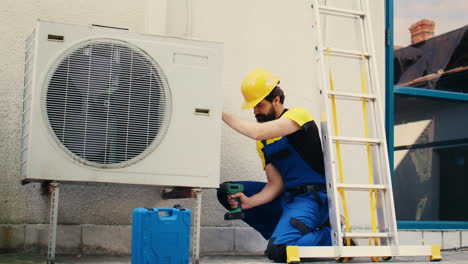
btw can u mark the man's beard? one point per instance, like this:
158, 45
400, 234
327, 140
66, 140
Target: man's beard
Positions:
270, 116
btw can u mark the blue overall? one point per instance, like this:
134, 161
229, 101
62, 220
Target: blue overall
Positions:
303, 207
289, 219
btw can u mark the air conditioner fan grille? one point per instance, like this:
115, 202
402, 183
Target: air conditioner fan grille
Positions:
107, 102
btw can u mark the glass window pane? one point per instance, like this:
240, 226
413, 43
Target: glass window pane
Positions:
431, 159
430, 45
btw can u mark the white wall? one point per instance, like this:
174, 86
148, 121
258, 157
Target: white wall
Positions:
276, 35
105, 204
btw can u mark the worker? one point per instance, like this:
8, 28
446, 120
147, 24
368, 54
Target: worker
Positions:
291, 208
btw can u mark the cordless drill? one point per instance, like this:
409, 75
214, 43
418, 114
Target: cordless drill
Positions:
231, 188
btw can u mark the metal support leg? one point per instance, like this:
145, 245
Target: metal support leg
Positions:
54, 198
196, 227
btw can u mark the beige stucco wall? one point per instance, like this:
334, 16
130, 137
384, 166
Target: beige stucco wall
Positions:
104, 204
275, 35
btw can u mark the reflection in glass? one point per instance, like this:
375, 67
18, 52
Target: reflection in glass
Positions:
431, 147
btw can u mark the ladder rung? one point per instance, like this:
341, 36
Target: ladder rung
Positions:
356, 140
366, 235
347, 53
340, 11
361, 187
352, 95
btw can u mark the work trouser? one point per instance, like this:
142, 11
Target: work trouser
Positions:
287, 221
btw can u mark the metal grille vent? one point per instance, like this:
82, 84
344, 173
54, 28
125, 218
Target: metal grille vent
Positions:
27, 90
107, 102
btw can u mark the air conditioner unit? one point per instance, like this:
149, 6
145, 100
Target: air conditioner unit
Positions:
115, 106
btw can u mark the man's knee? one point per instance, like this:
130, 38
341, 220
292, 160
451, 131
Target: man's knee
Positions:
276, 252
299, 225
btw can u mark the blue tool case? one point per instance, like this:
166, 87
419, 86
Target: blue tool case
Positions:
160, 235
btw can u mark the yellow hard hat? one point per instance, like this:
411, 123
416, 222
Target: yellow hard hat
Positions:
256, 86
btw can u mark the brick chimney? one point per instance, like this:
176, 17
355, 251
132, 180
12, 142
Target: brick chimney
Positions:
422, 30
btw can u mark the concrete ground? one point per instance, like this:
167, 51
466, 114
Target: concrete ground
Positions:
452, 257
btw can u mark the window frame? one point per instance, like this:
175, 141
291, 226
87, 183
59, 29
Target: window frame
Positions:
390, 91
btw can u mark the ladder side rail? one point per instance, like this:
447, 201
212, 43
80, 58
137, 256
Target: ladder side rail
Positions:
330, 169
383, 150
388, 196
332, 190
382, 221
378, 115
327, 134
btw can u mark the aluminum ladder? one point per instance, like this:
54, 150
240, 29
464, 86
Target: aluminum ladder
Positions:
357, 146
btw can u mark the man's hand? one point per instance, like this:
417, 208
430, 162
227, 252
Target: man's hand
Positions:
272, 189
245, 201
